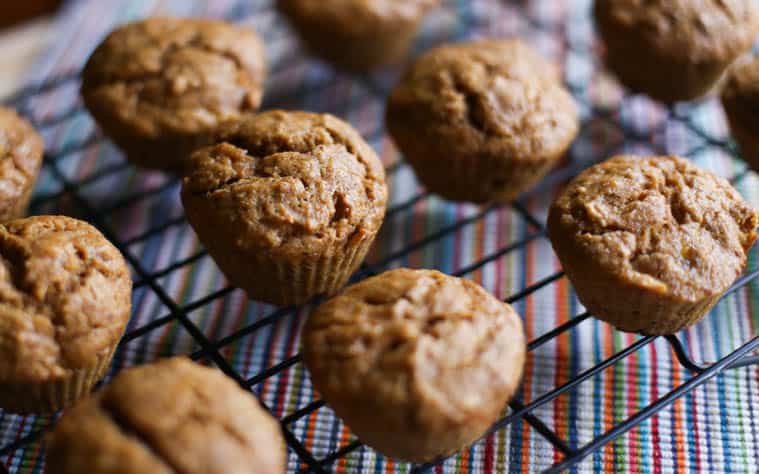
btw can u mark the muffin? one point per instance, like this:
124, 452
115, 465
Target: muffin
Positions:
357, 35
674, 50
167, 417
417, 363
287, 203
651, 243
740, 98
481, 121
21, 150
161, 87
65, 299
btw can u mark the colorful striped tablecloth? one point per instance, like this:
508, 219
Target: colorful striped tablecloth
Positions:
182, 303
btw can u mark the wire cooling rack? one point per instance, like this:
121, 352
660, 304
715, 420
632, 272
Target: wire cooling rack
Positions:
182, 304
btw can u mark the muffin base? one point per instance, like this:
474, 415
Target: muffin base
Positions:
480, 179
55, 395
284, 282
624, 304
357, 52
663, 79
748, 142
16, 208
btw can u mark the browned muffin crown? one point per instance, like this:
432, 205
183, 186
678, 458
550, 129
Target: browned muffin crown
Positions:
21, 150
481, 121
168, 417
283, 187
65, 296
740, 98
160, 87
357, 34
417, 363
674, 49
666, 237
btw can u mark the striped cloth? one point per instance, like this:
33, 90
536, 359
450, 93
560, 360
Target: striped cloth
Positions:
182, 303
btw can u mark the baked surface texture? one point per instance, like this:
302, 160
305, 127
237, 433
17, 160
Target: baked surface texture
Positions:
674, 50
21, 149
168, 417
288, 203
740, 99
651, 243
161, 87
417, 363
65, 299
358, 35
481, 121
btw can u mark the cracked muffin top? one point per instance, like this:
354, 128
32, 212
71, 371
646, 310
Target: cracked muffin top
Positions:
415, 351
659, 223
493, 96
21, 150
288, 180
174, 75
685, 30
168, 417
65, 297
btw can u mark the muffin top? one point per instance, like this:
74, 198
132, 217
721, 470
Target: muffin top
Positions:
65, 297
355, 14
498, 97
684, 30
175, 75
292, 181
741, 91
21, 150
416, 348
658, 222
167, 417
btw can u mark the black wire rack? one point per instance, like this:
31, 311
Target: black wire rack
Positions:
171, 320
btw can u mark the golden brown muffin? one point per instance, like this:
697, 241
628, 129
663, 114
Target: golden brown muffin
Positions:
740, 98
21, 150
287, 204
169, 417
651, 243
65, 299
481, 121
357, 35
674, 50
417, 363
160, 88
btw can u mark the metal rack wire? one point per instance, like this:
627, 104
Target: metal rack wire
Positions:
153, 287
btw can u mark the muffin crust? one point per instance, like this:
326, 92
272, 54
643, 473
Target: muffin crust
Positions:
481, 121
286, 188
65, 299
171, 416
651, 243
161, 87
21, 150
418, 364
740, 98
674, 50
357, 35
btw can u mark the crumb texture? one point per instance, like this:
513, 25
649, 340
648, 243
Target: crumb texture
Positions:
659, 223
485, 96
415, 357
289, 179
170, 417
65, 297
174, 75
